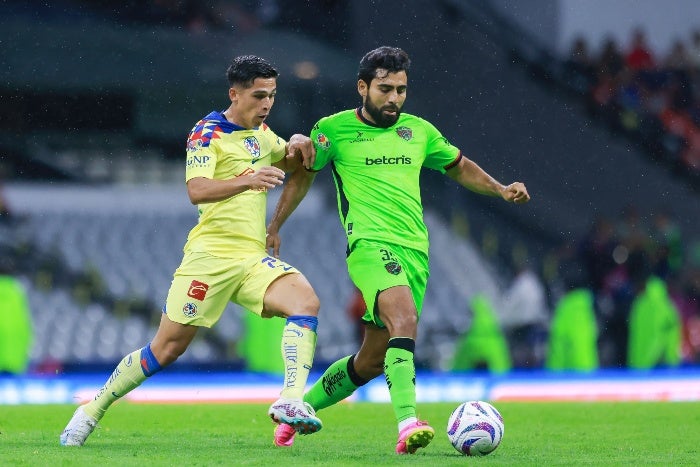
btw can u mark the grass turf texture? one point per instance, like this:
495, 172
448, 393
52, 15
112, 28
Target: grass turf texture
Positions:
354, 434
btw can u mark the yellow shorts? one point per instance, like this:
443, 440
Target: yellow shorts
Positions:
204, 284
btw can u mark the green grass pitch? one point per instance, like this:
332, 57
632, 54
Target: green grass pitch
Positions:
536, 434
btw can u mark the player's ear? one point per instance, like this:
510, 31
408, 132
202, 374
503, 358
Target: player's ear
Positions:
362, 88
232, 94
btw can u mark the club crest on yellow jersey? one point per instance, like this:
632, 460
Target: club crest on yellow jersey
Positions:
252, 145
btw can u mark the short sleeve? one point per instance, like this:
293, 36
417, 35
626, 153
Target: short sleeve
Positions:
323, 144
278, 146
201, 156
440, 154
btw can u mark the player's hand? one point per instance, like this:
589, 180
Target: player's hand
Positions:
265, 178
273, 242
516, 193
302, 147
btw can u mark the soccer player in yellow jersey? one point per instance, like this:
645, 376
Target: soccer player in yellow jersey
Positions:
233, 158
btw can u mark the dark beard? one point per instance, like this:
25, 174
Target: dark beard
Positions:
381, 120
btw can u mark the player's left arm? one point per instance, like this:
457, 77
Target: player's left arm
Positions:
299, 150
296, 185
295, 189
468, 174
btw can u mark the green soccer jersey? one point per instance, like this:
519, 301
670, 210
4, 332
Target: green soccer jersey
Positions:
376, 173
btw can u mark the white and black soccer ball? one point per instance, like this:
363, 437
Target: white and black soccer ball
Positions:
475, 428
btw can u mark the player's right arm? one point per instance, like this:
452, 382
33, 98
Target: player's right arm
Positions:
294, 191
210, 190
297, 186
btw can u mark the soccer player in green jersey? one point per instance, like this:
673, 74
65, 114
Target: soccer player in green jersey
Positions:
233, 158
376, 153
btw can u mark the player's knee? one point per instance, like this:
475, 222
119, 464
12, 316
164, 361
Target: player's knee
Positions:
308, 303
404, 325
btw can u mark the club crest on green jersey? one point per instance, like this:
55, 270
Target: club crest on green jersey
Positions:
393, 268
404, 132
323, 141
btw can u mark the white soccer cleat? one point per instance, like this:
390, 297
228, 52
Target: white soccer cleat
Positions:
297, 413
78, 429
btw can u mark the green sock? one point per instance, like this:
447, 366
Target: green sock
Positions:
298, 346
400, 374
125, 377
331, 388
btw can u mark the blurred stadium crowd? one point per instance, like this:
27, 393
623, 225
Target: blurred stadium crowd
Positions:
653, 101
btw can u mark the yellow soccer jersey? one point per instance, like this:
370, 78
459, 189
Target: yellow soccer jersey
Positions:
219, 149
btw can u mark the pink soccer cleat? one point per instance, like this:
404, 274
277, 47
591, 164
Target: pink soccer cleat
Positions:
284, 435
414, 436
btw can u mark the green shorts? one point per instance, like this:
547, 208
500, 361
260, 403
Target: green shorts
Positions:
204, 284
376, 266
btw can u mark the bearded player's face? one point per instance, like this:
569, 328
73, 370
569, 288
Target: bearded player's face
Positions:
384, 97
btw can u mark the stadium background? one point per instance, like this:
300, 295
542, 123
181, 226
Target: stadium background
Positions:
99, 96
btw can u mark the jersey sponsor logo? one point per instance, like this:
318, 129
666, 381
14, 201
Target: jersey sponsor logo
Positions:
198, 290
197, 161
189, 310
323, 141
246, 172
393, 268
253, 146
404, 132
329, 382
361, 139
384, 160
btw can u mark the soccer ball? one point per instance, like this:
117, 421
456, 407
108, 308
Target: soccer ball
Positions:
475, 428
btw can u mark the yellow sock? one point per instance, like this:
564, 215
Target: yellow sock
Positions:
298, 347
125, 377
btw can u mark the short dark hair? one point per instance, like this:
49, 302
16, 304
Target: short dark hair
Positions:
245, 68
392, 59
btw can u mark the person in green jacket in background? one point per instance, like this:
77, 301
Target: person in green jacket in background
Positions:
655, 328
573, 334
16, 332
262, 338
483, 345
